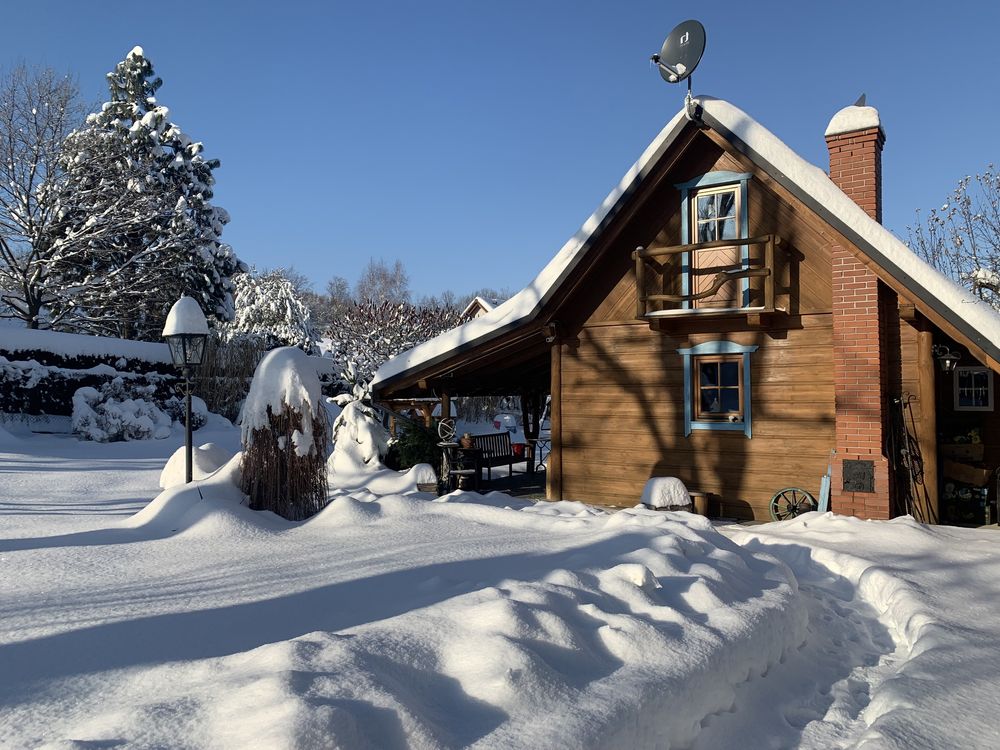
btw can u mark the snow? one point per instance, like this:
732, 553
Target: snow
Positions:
780, 161
392, 620
665, 492
853, 118
185, 316
205, 461
284, 376
75, 345
104, 418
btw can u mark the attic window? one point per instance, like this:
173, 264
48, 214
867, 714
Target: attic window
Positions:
714, 208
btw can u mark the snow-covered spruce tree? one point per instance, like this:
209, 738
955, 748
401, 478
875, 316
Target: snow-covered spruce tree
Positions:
269, 309
137, 228
962, 238
283, 468
38, 109
369, 333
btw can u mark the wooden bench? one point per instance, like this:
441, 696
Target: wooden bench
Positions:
496, 451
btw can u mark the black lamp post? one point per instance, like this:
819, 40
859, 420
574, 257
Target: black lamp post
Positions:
185, 331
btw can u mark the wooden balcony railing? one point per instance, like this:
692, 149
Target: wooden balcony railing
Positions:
762, 267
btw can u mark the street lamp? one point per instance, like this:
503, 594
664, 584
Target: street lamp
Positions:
185, 331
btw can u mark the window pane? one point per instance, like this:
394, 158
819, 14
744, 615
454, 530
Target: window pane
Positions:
728, 229
730, 399
730, 373
706, 231
710, 400
709, 373
707, 207
727, 204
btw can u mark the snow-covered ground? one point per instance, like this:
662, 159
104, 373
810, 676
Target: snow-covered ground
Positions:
408, 621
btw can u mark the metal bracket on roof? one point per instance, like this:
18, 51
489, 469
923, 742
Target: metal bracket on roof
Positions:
692, 109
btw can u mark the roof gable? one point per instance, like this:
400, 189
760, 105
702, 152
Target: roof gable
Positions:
971, 317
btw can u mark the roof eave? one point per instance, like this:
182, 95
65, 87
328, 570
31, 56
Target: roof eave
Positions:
642, 169
973, 335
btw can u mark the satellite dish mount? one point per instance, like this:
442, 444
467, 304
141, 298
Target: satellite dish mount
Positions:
680, 55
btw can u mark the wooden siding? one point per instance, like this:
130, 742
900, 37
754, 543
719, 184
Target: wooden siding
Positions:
621, 383
803, 279
623, 417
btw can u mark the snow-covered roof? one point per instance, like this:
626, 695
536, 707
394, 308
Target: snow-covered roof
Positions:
808, 182
525, 305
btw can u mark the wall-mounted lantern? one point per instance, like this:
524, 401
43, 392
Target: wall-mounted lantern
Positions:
947, 359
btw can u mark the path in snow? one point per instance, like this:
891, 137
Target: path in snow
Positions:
816, 697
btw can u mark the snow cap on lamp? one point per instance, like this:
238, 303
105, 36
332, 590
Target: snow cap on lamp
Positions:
185, 317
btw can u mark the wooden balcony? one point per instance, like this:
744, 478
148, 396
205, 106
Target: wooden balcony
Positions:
663, 266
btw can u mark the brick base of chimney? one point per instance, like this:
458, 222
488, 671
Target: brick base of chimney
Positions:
873, 505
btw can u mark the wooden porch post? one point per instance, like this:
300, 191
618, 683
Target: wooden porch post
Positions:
926, 427
445, 406
553, 467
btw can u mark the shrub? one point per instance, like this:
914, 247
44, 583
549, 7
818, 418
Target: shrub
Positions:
118, 412
417, 446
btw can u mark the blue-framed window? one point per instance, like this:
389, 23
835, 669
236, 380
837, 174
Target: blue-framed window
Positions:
717, 394
710, 211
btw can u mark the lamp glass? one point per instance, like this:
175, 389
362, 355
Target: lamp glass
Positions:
186, 348
948, 362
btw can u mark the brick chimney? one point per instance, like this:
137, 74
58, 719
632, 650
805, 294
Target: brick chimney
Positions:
861, 322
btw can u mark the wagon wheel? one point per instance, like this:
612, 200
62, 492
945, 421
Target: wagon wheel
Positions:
446, 430
790, 502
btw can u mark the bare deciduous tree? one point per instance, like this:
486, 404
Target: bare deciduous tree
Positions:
381, 283
962, 238
38, 109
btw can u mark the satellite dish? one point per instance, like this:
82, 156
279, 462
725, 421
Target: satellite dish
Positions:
681, 52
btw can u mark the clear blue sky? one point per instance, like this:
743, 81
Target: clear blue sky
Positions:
469, 140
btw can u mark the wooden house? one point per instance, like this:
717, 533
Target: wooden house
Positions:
476, 308
738, 318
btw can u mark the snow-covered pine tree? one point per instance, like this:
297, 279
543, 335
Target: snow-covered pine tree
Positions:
269, 309
138, 228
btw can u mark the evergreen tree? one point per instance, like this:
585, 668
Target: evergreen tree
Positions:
269, 308
137, 227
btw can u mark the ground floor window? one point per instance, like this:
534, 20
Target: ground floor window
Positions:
973, 389
717, 387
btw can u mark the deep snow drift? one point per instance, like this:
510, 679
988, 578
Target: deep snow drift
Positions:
405, 620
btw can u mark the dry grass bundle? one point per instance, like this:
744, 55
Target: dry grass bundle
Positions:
276, 476
225, 374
